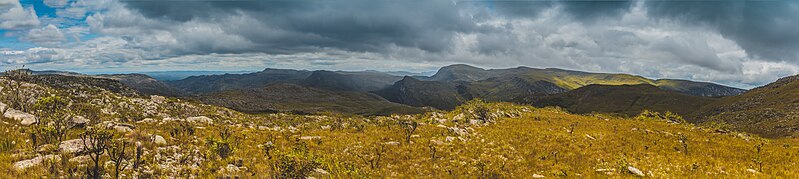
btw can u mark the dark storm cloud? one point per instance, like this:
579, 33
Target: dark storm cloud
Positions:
590, 10
768, 29
307, 25
585, 11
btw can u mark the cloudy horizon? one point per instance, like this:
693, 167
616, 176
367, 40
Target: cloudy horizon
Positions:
737, 43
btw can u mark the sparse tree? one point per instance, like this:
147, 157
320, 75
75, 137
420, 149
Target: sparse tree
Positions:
684, 142
759, 158
116, 153
139, 153
17, 98
373, 160
54, 118
571, 127
95, 143
409, 127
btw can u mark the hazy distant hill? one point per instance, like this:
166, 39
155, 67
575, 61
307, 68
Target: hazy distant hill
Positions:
179, 75
350, 81
145, 84
217, 83
770, 110
284, 97
627, 100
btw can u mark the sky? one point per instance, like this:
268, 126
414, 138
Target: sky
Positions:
737, 43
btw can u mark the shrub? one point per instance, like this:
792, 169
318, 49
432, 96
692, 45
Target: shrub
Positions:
17, 98
95, 143
668, 116
224, 145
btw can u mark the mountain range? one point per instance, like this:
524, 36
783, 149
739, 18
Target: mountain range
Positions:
369, 92
768, 110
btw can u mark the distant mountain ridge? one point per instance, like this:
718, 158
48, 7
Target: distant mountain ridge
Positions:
512, 84
569, 79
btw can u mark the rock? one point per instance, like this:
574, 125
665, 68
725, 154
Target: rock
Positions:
635, 171
200, 119
80, 121
537, 176
752, 170
71, 146
46, 148
25, 118
157, 99
3, 107
590, 137
22, 165
158, 140
310, 137
122, 129
232, 168
321, 171
392, 143
80, 159
146, 120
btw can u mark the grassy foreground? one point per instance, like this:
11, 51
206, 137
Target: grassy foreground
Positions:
475, 140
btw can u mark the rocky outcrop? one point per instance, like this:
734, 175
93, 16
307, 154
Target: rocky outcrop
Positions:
24, 118
71, 146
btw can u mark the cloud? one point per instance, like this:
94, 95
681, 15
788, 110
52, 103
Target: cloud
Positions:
763, 28
737, 43
301, 26
56, 3
13, 16
49, 35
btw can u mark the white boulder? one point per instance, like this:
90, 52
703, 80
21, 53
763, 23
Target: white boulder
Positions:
3, 107
159, 140
22, 165
200, 119
71, 146
24, 118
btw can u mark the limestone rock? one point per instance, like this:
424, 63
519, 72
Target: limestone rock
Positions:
71, 146
159, 140
22, 165
3, 107
200, 119
24, 118
80, 121
635, 171
157, 99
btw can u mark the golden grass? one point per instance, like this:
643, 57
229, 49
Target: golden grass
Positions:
518, 143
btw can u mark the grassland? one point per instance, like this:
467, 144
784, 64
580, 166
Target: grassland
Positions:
475, 140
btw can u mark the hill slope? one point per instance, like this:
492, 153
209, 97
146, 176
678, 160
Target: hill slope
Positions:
628, 100
770, 110
145, 84
284, 97
350, 81
414, 92
216, 83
